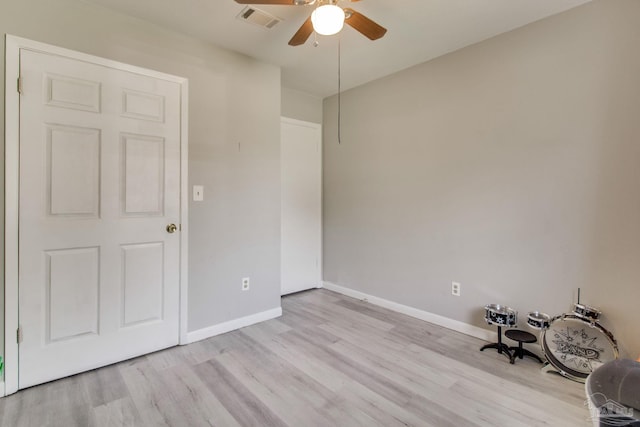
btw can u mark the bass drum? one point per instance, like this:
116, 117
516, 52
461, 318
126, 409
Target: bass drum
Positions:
575, 346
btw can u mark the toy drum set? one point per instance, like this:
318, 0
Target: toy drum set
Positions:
501, 316
574, 344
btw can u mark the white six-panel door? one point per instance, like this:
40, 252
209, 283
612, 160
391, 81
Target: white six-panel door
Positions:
99, 184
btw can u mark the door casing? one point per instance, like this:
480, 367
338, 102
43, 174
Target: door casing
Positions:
12, 189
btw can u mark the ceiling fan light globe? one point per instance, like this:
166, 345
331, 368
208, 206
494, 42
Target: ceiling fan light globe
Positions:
328, 19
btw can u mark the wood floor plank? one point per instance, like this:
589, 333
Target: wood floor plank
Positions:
308, 363
61, 403
393, 392
353, 403
152, 395
275, 393
394, 352
117, 413
195, 398
497, 400
241, 403
474, 411
337, 313
104, 385
330, 360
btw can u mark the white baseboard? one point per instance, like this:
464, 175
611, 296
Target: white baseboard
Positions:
232, 325
436, 319
2, 390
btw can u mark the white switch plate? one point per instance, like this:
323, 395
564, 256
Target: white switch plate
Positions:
198, 193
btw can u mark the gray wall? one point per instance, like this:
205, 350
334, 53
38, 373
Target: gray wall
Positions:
301, 106
511, 166
234, 101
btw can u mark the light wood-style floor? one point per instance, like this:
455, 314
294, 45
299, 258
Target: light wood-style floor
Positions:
328, 361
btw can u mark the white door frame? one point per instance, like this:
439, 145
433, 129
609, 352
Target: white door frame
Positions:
12, 189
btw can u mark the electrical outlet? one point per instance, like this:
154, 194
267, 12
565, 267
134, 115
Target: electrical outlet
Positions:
245, 284
455, 288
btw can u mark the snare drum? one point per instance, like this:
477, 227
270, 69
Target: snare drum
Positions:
500, 315
538, 320
575, 346
586, 311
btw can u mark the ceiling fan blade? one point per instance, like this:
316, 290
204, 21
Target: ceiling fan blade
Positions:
302, 34
282, 2
364, 25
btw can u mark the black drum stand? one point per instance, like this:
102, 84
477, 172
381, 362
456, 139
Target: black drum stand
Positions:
500, 346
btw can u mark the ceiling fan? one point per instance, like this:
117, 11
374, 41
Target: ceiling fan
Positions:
328, 13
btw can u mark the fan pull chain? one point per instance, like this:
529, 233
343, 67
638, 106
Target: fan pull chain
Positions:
339, 96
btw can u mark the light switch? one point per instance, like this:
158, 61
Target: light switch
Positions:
198, 193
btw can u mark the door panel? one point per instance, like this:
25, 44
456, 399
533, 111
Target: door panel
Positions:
142, 282
72, 92
99, 182
73, 292
73, 170
142, 106
143, 174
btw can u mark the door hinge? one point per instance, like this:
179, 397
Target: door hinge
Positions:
20, 85
19, 334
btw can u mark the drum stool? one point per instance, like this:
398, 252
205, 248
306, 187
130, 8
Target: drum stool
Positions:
521, 337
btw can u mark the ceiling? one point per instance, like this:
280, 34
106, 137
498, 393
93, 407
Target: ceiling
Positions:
418, 30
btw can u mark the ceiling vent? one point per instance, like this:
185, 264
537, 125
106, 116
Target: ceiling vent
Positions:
258, 17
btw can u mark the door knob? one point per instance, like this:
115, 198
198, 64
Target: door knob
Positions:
171, 228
